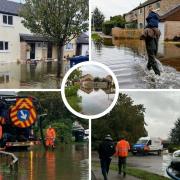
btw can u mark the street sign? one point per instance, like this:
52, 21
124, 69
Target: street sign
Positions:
23, 113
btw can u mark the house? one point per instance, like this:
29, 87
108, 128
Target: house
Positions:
87, 78
136, 18
82, 45
18, 43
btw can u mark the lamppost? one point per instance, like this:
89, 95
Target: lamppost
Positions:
93, 28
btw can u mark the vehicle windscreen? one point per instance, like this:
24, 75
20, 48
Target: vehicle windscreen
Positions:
142, 142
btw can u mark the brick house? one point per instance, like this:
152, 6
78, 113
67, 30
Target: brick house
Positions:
169, 14
18, 43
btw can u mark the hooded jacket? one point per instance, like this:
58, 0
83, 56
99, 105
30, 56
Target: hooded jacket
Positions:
106, 149
152, 20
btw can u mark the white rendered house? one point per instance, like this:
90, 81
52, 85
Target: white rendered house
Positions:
17, 43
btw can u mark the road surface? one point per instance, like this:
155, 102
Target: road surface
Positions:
151, 163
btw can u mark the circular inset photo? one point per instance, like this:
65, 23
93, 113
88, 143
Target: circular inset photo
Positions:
90, 90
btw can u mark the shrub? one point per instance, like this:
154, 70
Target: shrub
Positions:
107, 27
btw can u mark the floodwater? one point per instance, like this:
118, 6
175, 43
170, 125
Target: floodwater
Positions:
29, 76
68, 161
95, 101
127, 59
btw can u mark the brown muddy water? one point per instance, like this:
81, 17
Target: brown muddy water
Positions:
29, 76
127, 59
67, 161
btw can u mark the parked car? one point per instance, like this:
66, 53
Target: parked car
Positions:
147, 144
175, 163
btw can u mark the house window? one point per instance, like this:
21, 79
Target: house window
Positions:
8, 19
140, 25
4, 46
158, 5
140, 11
69, 46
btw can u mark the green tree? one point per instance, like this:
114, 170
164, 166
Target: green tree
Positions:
125, 119
75, 75
175, 133
97, 19
58, 20
118, 21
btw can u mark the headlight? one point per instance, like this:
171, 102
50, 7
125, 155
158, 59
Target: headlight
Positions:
176, 154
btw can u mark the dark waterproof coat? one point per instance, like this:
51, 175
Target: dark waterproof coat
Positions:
106, 149
152, 20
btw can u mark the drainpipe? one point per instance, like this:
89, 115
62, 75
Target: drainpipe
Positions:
144, 17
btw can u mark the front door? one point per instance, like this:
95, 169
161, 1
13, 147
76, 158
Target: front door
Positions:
49, 52
32, 52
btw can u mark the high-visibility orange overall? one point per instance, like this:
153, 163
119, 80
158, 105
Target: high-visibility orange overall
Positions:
122, 149
50, 136
1, 132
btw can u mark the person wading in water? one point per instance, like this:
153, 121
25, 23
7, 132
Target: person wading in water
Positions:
151, 36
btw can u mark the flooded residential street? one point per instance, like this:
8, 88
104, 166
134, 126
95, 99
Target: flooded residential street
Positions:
127, 59
29, 76
95, 101
65, 162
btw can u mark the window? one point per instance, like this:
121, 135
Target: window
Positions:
140, 11
140, 25
158, 5
8, 19
4, 46
69, 46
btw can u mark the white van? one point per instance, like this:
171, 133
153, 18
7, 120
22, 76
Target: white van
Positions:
147, 144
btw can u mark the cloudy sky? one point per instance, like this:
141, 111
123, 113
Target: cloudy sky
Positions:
115, 7
18, 1
94, 70
162, 110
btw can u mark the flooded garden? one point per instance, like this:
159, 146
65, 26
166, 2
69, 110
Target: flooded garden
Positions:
94, 101
127, 59
65, 162
40, 75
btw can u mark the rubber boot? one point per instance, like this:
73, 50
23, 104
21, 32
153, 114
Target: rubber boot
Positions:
156, 68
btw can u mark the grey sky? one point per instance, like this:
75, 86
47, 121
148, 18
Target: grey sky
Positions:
162, 110
115, 7
17, 1
94, 70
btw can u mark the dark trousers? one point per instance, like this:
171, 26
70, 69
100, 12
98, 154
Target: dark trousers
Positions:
122, 164
152, 50
105, 163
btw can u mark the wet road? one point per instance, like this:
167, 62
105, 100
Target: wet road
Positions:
65, 162
151, 163
127, 59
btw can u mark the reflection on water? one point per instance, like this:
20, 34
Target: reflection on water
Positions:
65, 162
127, 59
95, 101
38, 75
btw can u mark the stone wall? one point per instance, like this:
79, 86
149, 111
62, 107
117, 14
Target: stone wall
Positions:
23, 49
91, 84
172, 29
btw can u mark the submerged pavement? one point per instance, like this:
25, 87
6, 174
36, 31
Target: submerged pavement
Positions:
113, 175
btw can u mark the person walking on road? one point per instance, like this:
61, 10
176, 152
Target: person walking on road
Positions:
106, 150
50, 137
122, 149
151, 36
